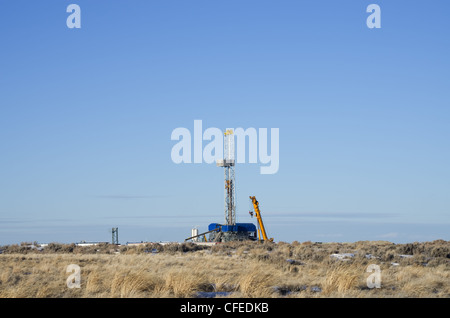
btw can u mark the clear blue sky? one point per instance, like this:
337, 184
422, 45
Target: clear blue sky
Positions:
86, 117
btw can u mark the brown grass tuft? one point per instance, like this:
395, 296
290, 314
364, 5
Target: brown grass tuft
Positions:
342, 278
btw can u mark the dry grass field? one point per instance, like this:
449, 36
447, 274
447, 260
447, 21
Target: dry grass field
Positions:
236, 269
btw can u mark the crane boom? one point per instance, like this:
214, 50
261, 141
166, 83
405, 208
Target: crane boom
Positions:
259, 218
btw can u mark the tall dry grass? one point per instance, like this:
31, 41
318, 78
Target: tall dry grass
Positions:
244, 269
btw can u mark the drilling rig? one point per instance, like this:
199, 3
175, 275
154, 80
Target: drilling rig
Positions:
230, 230
228, 163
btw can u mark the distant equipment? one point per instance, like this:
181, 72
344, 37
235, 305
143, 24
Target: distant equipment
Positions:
202, 236
194, 234
115, 235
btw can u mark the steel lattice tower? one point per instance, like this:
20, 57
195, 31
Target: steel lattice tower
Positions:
115, 235
228, 163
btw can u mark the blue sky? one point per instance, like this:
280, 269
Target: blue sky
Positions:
86, 117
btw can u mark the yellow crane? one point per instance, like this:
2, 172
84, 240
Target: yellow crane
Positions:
261, 228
